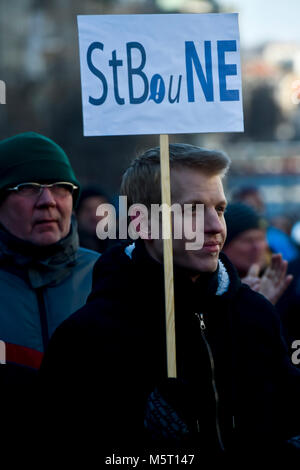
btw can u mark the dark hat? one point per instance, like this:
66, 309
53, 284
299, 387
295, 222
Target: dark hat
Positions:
32, 157
239, 218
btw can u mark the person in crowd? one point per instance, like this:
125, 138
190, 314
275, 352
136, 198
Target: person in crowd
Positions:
44, 275
251, 196
247, 248
284, 222
236, 392
278, 240
90, 199
246, 242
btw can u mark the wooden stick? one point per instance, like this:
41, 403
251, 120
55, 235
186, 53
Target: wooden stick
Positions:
168, 255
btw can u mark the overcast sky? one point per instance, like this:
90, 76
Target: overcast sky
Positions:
265, 20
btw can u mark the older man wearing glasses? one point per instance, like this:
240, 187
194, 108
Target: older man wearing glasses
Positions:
44, 275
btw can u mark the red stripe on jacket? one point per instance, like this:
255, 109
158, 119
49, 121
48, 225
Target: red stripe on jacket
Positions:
23, 355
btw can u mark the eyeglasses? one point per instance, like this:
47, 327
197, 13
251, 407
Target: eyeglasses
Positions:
60, 189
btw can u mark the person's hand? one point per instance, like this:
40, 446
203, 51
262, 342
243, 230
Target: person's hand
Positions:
252, 279
275, 280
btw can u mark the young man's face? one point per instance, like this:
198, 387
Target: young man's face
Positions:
191, 186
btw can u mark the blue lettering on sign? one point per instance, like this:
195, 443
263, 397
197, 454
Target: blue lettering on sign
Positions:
136, 71
157, 88
196, 72
95, 71
114, 63
226, 69
191, 57
176, 99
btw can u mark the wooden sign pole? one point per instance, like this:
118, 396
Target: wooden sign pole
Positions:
168, 255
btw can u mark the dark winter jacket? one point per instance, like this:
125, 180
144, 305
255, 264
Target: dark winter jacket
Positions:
105, 360
288, 307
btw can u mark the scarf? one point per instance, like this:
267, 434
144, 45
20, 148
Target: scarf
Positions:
41, 266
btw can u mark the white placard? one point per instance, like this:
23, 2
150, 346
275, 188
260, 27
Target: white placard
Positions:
160, 74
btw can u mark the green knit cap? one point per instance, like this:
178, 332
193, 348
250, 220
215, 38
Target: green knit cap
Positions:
32, 157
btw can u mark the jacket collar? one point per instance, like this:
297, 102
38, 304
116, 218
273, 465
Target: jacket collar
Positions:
216, 283
41, 266
127, 267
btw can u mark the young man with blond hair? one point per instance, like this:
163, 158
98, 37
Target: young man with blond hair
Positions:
236, 387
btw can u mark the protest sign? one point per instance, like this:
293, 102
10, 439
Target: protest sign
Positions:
160, 74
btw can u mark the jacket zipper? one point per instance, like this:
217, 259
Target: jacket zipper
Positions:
213, 380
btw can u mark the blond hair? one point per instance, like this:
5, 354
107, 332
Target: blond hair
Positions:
141, 180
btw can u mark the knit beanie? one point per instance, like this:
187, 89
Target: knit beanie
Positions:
239, 217
32, 157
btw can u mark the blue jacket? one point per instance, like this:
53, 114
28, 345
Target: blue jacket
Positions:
39, 288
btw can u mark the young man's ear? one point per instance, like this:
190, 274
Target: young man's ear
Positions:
139, 226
